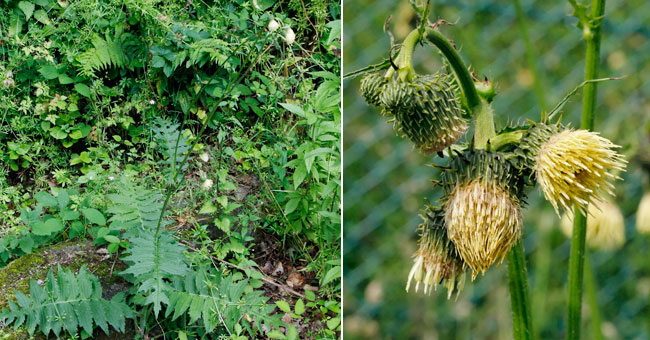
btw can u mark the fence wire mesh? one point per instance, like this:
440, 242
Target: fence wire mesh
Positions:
386, 181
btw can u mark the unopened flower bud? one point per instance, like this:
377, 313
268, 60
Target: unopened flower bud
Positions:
207, 184
426, 109
290, 36
605, 226
273, 25
643, 215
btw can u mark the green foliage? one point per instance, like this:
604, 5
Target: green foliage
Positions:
218, 299
133, 207
67, 303
174, 145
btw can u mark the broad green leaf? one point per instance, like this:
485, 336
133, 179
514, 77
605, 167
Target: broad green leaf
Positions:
69, 214
299, 175
112, 239
275, 334
223, 224
41, 16
291, 205
292, 333
48, 72
63, 198
331, 275
26, 244
297, 110
208, 208
64, 79
53, 225
27, 8
333, 323
299, 308
94, 216
310, 295
83, 89
283, 305
58, 133
45, 199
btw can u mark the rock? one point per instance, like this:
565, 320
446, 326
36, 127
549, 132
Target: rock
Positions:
72, 254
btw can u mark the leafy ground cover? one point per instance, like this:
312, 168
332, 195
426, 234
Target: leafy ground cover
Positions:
193, 147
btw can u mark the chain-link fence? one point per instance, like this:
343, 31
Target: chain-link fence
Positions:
386, 181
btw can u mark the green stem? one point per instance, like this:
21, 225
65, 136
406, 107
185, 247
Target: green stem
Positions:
592, 297
531, 56
456, 62
592, 34
519, 297
404, 60
483, 125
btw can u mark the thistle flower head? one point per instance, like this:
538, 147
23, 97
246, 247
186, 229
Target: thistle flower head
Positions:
290, 36
643, 215
573, 167
605, 226
372, 85
427, 110
273, 25
483, 208
436, 260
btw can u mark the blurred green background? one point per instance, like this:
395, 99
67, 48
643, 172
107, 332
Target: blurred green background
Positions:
386, 181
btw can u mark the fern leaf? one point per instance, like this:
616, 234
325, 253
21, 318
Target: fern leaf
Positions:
134, 207
216, 301
152, 261
174, 145
67, 302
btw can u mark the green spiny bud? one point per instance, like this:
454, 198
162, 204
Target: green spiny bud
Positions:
372, 85
427, 111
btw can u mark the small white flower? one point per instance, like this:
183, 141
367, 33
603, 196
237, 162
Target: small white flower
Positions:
207, 184
9, 83
10, 73
290, 36
273, 25
152, 102
111, 178
204, 157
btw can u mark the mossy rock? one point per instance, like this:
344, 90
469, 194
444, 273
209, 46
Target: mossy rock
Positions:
72, 255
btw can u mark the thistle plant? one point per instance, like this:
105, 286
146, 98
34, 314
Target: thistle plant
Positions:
478, 221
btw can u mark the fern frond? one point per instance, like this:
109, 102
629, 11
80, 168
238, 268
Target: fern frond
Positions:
106, 53
154, 259
173, 148
134, 207
217, 300
67, 302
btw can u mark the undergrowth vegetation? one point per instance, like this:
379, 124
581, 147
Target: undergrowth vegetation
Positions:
197, 145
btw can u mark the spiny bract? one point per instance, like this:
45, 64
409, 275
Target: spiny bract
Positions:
426, 109
436, 260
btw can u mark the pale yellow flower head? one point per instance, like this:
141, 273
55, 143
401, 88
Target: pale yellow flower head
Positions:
574, 167
483, 221
436, 260
643, 215
605, 226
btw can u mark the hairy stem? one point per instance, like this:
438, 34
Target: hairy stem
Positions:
592, 298
592, 34
519, 297
456, 62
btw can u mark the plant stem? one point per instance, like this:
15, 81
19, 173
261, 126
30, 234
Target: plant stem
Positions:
519, 297
456, 62
591, 32
531, 56
592, 297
